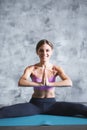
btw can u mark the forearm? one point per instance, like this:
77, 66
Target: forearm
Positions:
26, 83
65, 83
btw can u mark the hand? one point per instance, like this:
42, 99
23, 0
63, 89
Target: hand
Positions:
43, 77
46, 78
45, 81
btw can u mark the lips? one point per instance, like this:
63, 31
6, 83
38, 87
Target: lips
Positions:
44, 57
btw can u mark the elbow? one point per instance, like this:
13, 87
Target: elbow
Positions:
70, 83
22, 82
19, 83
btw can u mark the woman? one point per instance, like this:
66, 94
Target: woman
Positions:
43, 75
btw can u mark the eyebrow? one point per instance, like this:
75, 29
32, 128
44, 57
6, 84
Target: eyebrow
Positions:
43, 49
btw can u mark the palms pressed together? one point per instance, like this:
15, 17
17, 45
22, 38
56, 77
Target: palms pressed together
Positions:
45, 81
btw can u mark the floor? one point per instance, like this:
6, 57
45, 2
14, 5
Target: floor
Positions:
71, 127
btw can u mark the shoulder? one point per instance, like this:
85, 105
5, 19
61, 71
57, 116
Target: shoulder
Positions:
29, 68
59, 69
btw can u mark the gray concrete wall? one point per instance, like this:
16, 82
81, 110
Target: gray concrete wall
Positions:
22, 24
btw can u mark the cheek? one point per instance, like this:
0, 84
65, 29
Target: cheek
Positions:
39, 54
51, 53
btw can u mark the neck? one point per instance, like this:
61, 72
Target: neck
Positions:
42, 64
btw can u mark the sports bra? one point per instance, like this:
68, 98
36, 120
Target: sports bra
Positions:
35, 79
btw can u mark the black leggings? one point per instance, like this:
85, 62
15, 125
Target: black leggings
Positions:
44, 106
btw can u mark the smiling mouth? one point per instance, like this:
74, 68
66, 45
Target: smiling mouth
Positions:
44, 57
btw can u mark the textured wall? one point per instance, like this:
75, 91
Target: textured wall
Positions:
22, 24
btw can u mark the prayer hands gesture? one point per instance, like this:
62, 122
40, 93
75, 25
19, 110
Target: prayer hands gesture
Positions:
45, 80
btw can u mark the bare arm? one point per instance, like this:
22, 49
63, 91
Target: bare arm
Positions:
65, 80
23, 81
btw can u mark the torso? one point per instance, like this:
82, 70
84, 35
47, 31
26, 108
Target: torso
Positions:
43, 92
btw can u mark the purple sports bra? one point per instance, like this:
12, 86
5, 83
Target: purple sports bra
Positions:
35, 79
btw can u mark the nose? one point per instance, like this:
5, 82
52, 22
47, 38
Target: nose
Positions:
44, 52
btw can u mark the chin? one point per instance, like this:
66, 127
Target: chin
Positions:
44, 60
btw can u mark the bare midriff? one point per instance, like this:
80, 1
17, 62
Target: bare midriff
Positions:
44, 93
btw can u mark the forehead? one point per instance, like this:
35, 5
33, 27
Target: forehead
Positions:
45, 46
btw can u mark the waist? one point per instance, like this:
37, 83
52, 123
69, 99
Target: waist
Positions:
42, 99
43, 88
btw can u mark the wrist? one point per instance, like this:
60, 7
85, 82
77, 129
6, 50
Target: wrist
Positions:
41, 84
50, 84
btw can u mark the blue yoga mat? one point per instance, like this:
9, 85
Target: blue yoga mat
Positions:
38, 120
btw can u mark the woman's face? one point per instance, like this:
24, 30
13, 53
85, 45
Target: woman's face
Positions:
44, 52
